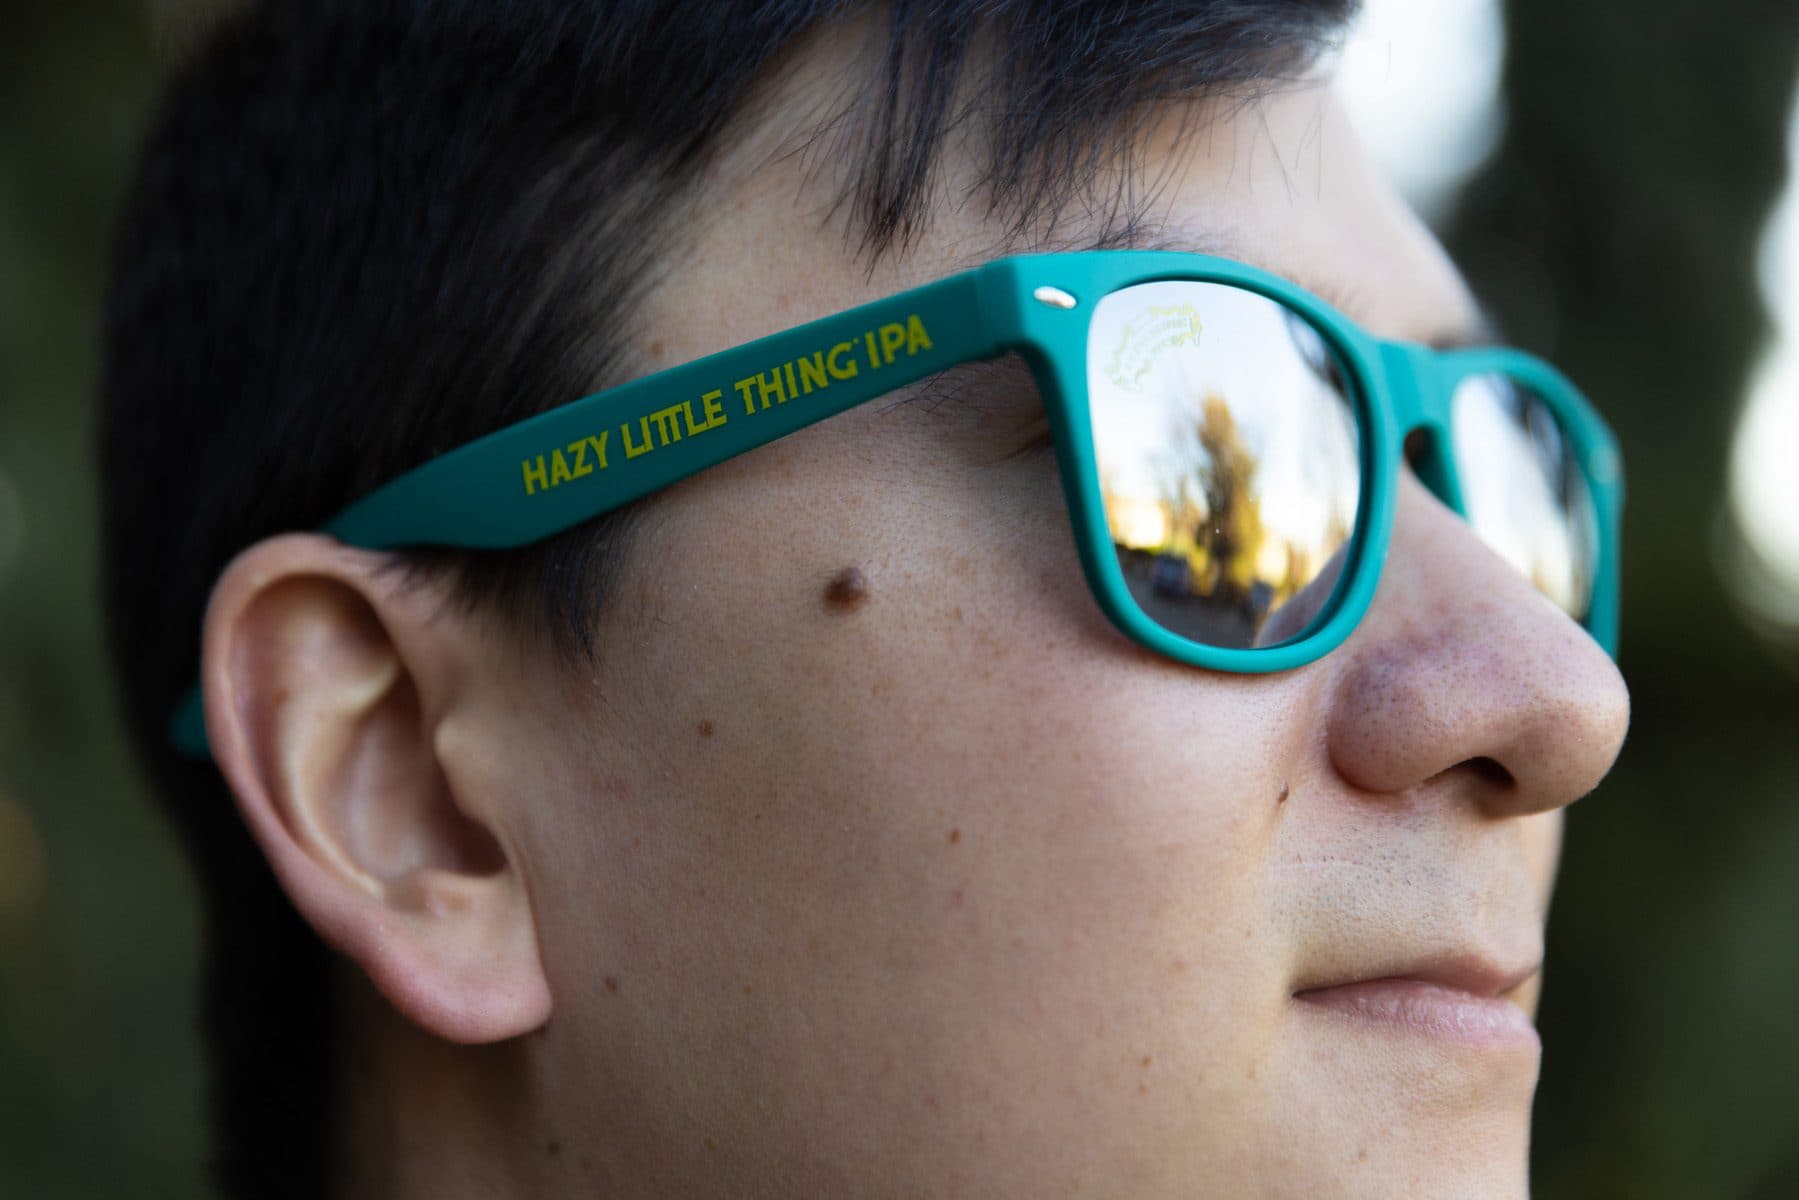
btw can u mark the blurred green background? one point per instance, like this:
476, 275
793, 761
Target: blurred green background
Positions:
1614, 226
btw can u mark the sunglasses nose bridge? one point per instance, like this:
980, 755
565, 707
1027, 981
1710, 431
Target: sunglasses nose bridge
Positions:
1417, 388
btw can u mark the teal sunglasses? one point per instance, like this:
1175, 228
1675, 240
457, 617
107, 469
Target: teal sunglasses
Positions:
1230, 446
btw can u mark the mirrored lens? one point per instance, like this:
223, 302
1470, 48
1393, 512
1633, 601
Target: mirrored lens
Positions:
1228, 457
1523, 489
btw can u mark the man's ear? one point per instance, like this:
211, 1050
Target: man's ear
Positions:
333, 689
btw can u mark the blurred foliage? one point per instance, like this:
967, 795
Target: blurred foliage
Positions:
100, 1083
1615, 229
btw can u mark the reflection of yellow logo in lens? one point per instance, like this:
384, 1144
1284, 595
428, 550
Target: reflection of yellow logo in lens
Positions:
1163, 327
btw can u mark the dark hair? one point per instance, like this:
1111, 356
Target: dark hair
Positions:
365, 231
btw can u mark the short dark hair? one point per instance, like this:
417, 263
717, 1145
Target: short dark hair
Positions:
364, 231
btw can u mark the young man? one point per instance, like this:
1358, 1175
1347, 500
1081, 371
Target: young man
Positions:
1090, 762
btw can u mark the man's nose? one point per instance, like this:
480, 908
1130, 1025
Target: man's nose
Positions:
1462, 665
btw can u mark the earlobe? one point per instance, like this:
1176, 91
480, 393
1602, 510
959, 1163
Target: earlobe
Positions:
327, 682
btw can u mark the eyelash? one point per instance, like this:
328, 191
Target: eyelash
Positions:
984, 389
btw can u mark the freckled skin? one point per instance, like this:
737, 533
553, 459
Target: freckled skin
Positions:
1085, 984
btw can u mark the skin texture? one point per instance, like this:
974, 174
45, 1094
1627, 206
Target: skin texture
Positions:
870, 859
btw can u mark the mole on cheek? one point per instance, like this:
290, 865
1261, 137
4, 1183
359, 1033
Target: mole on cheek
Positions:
848, 590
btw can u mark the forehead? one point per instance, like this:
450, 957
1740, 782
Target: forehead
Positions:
1278, 179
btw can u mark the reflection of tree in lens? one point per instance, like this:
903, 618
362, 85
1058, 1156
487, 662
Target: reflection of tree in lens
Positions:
1185, 454
1207, 518
1210, 512
1231, 535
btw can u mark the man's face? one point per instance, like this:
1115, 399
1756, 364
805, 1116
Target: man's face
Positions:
873, 860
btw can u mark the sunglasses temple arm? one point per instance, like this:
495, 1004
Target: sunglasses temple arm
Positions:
572, 463
555, 470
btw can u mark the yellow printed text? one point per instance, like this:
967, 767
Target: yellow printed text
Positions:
818, 370
669, 425
566, 463
875, 350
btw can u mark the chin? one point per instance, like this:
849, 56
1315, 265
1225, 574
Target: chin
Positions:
1382, 1116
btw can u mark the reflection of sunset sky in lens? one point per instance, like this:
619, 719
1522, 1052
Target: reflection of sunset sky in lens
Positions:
1150, 374
1511, 487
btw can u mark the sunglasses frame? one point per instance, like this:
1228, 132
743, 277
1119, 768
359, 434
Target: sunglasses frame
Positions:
552, 471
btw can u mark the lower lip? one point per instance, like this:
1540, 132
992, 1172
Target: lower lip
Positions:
1430, 1009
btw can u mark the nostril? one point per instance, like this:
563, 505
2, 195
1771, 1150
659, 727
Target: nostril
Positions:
1491, 770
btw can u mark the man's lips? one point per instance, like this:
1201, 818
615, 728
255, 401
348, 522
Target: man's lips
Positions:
1463, 998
